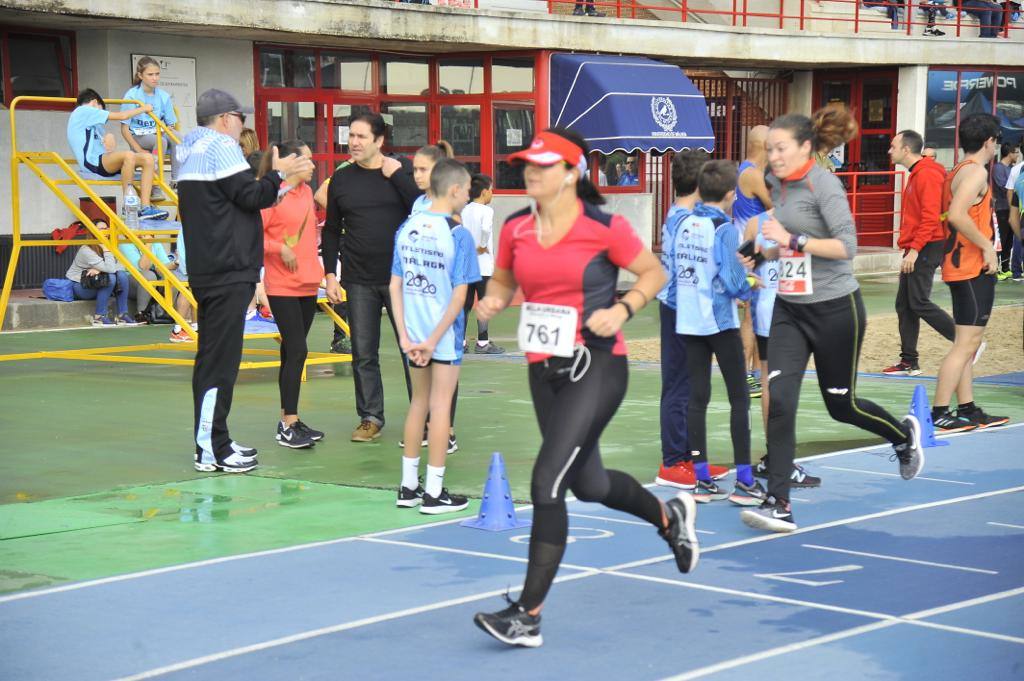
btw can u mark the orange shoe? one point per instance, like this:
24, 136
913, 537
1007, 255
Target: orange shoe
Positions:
679, 476
180, 336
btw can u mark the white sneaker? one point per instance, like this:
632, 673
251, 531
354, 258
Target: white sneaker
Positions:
233, 463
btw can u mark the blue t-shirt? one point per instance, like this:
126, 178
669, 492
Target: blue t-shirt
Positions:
709, 278
433, 254
85, 134
628, 180
163, 108
676, 214
763, 302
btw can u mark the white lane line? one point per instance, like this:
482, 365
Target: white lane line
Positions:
894, 475
912, 618
881, 446
464, 552
898, 559
821, 526
1011, 526
324, 631
623, 521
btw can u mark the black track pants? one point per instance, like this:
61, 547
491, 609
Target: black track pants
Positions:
294, 316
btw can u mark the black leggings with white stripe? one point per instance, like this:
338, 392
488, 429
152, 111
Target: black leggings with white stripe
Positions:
572, 416
294, 316
832, 331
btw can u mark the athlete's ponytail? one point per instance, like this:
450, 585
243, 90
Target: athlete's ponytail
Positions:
586, 190
834, 126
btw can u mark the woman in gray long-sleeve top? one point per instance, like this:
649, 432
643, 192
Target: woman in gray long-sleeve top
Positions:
93, 260
819, 309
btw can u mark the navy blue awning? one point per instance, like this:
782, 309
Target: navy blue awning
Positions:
628, 103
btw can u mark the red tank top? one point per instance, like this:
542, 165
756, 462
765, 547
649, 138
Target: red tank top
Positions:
963, 259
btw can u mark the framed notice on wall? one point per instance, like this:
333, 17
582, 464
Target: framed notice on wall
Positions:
178, 78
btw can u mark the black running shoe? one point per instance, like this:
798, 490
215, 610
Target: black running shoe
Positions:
772, 515
292, 437
980, 419
797, 478
443, 503
409, 498
312, 433
513, 625
911, 453
681, 533
453, 444
707, 491
953, 423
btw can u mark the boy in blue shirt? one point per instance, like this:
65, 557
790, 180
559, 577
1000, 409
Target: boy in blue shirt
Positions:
709, 280
94, 149
434, 262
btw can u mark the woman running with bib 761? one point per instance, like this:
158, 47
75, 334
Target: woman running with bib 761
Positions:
566, 254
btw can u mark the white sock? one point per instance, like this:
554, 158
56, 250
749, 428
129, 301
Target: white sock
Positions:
176, 328
410, 472
435, 480
482, 344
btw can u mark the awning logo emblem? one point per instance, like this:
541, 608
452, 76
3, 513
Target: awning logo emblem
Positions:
664, 112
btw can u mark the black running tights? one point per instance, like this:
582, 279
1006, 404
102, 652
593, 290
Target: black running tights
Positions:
833, 331
572, 416
728, 348
294, 316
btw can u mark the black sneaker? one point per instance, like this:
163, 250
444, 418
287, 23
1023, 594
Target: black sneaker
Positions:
953, 423
748, 495
513, 625
772, 515
911, 453
753, 386
681, 533
443, 503
292, 437
932, 31
797, 478
707, 491
453, 444
409, 498
980, 419
342, 346
312, 433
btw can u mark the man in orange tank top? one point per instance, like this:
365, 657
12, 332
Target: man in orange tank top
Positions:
969, 269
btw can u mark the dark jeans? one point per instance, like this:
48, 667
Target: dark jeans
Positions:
989, 16
118, 283
913, 302
833, 331
364, 304
341, 309
1005, 238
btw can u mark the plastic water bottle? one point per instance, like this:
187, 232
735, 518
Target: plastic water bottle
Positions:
131, 208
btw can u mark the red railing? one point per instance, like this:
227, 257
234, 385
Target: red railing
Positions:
873, 202
803, 14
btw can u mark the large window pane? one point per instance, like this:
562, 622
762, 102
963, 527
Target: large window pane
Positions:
512, 74
346, 72
295, 120
1010, 105
404, 76
460, 125
39, 65
940, 114
513, 130
461, 76
407, 127
287, 68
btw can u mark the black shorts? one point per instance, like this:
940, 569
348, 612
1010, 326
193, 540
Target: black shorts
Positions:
762, 347
972, 299
98, 169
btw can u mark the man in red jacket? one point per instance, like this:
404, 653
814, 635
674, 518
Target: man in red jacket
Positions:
922, 240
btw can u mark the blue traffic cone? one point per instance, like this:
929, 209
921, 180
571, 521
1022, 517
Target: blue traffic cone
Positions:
496, 510
920, 408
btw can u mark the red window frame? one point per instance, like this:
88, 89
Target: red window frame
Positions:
434, 100
69, 76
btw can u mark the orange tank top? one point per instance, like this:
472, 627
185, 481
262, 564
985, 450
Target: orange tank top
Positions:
963, 260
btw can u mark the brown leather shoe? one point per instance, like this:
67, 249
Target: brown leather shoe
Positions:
368, 431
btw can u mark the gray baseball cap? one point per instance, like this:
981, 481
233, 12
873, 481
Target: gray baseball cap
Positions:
214, 102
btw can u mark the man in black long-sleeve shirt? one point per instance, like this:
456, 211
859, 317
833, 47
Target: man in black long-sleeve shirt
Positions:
367, 202
219, 203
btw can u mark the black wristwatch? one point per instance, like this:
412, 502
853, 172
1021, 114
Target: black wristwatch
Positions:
797, 243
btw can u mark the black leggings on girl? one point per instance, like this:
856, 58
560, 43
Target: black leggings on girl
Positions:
294, 316
833, 331
572, 416
727, 346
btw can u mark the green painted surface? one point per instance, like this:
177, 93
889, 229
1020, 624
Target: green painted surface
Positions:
96, 475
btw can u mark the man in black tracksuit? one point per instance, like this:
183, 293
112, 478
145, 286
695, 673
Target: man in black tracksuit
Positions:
219, 207
368, 200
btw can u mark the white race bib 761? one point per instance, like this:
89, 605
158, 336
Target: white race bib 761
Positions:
547, 329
